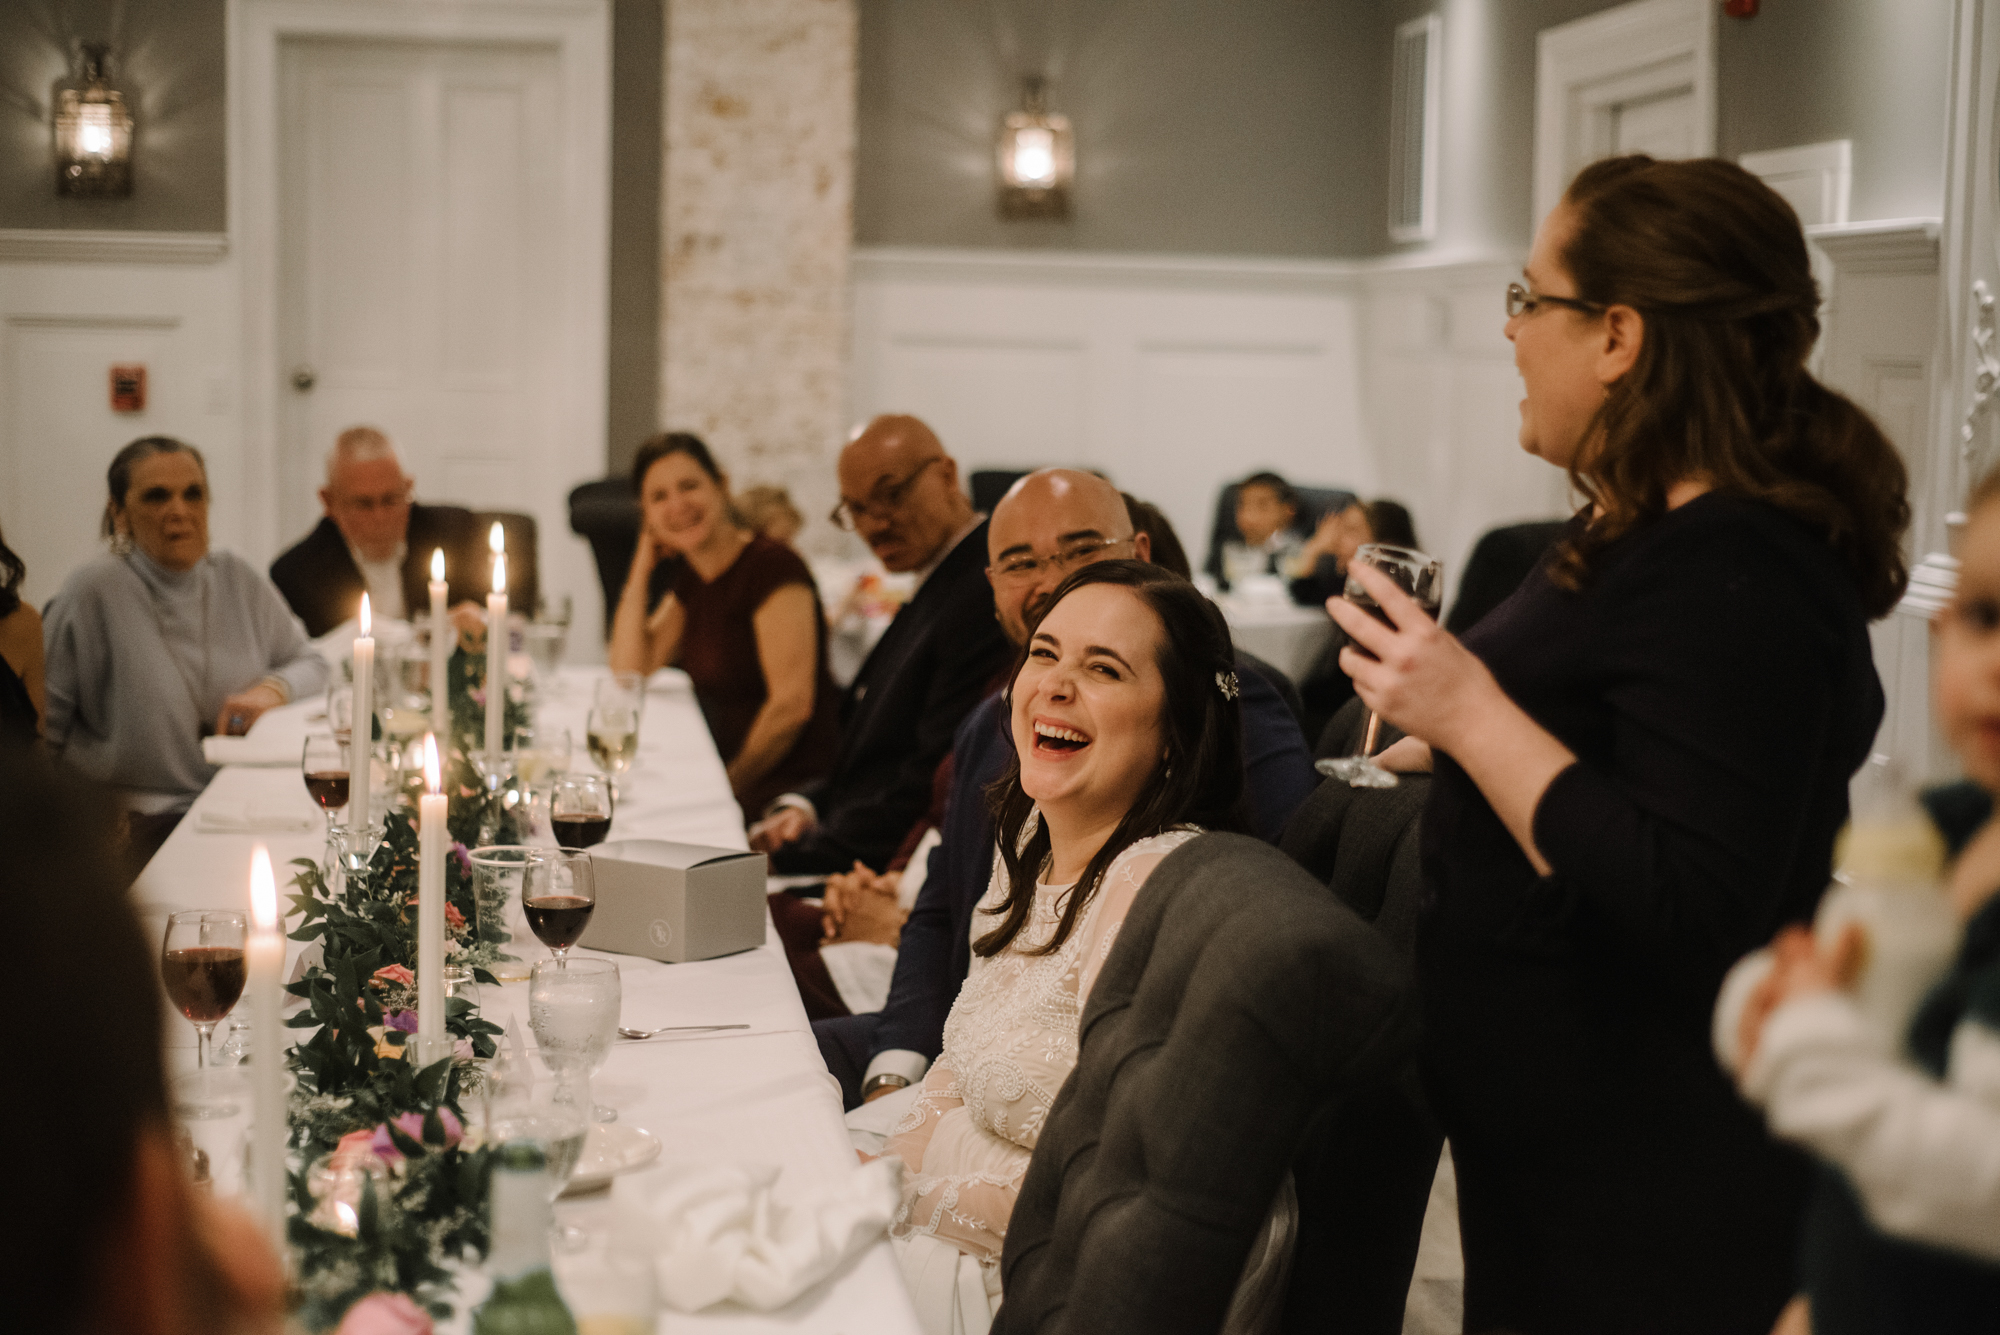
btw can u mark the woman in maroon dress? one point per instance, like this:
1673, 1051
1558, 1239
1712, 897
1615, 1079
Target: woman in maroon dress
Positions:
741, 618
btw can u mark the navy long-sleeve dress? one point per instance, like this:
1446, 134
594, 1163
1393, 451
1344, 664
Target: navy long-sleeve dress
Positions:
1715, 682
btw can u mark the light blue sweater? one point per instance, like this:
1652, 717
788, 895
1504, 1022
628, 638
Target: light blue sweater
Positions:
130, 688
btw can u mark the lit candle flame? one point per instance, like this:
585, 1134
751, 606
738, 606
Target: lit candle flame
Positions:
500, 573
366, 620
437, 564
496, 539
432, 778
263, 891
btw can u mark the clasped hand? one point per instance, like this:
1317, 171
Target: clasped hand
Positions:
1420, 677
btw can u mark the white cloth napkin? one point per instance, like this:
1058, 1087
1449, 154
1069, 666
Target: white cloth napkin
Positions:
725, 1233
274, 748
253, 817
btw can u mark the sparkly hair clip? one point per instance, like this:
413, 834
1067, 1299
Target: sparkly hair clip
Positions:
1226, 683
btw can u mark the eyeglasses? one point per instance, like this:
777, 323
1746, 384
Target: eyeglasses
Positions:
1524, 301
886, 501
1028, 567
388, 500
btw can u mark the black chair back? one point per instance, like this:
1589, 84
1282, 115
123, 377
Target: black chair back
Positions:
605, 513
988, 485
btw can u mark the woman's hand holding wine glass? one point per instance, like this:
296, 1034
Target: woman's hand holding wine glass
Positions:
1411, 671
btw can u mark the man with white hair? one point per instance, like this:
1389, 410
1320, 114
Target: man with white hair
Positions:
375, 539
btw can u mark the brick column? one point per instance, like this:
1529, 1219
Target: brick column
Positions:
757, 226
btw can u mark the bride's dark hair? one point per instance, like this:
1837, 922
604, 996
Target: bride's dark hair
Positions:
1199, 781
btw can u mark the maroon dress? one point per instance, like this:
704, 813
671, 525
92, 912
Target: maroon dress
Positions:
719, 652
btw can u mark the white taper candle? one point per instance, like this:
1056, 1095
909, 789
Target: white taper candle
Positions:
441, 638
361, 748
496, 645
431, 839
265, 956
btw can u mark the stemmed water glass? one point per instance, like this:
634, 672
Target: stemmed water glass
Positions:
580, 810
613, 735
324, 766
558, 892
1420, 576
340, 711
573, 1010
202, 964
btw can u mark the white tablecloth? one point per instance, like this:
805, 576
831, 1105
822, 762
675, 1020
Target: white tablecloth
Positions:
1285, 635
761, 1095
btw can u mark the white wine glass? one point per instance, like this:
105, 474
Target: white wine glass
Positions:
1422, 577
613, 736
573, 1010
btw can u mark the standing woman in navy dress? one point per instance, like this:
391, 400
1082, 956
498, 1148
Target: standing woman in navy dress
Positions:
1642, 757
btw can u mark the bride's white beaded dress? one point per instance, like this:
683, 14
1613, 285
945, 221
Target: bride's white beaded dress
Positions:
1009, 1044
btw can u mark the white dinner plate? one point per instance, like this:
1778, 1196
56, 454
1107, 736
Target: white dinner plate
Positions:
609, 1150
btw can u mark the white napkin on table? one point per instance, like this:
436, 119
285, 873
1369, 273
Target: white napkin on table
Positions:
273, 748
725, 1233
253, 817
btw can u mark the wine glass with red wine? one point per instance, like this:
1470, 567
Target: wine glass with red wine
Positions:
203, 966
558, 891
1418, 575
580, 810
324, 766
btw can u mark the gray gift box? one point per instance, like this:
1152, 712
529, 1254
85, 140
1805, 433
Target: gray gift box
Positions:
675, 902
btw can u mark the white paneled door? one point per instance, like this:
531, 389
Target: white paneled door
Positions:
419, 224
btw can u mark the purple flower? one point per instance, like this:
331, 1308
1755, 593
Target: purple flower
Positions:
464, 859
411, 1124
403, 1021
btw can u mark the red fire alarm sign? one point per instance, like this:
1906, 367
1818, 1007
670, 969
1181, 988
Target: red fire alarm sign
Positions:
128, 389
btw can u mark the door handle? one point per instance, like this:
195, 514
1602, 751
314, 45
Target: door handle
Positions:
304, 378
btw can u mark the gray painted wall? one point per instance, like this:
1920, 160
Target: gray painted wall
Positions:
638, 51
168, 59
1201, 125
1261, 126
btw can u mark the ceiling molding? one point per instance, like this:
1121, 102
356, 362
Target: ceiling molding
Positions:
1895, 245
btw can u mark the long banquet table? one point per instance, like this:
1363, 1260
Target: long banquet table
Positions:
759, 1095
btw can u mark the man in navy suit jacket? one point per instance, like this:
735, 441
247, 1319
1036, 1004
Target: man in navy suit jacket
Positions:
1050, 523
899, 491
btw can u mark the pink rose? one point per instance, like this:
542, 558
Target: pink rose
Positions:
385, 1314
393, 975
353, 1147
454, 919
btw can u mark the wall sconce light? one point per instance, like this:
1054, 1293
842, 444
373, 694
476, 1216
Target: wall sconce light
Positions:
1036, 156
93, 133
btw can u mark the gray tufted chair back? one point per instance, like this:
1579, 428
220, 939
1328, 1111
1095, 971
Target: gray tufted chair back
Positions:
1239, 1002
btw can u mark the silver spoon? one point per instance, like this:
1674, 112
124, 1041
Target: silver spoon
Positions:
676, 1029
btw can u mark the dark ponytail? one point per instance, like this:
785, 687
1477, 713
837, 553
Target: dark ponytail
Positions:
1716, 264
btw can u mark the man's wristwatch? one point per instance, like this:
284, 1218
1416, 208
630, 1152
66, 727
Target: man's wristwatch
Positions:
886, 1080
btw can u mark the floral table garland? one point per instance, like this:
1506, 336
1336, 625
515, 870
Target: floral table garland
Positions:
361, 1114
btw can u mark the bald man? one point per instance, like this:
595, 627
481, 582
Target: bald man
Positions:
899, 491
374, 538
1048, 524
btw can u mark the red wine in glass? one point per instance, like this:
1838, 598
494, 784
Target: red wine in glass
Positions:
1372, 608
204, 982
558, 920
580, 831
328, 788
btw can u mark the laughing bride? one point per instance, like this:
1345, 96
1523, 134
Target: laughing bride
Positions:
1127, 745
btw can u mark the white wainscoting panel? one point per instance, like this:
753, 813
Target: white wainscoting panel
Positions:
1176, 376
63, 325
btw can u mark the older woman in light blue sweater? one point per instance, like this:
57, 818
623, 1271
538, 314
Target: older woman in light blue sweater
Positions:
161, 641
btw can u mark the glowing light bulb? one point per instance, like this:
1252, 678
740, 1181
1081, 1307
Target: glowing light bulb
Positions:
1035, 156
